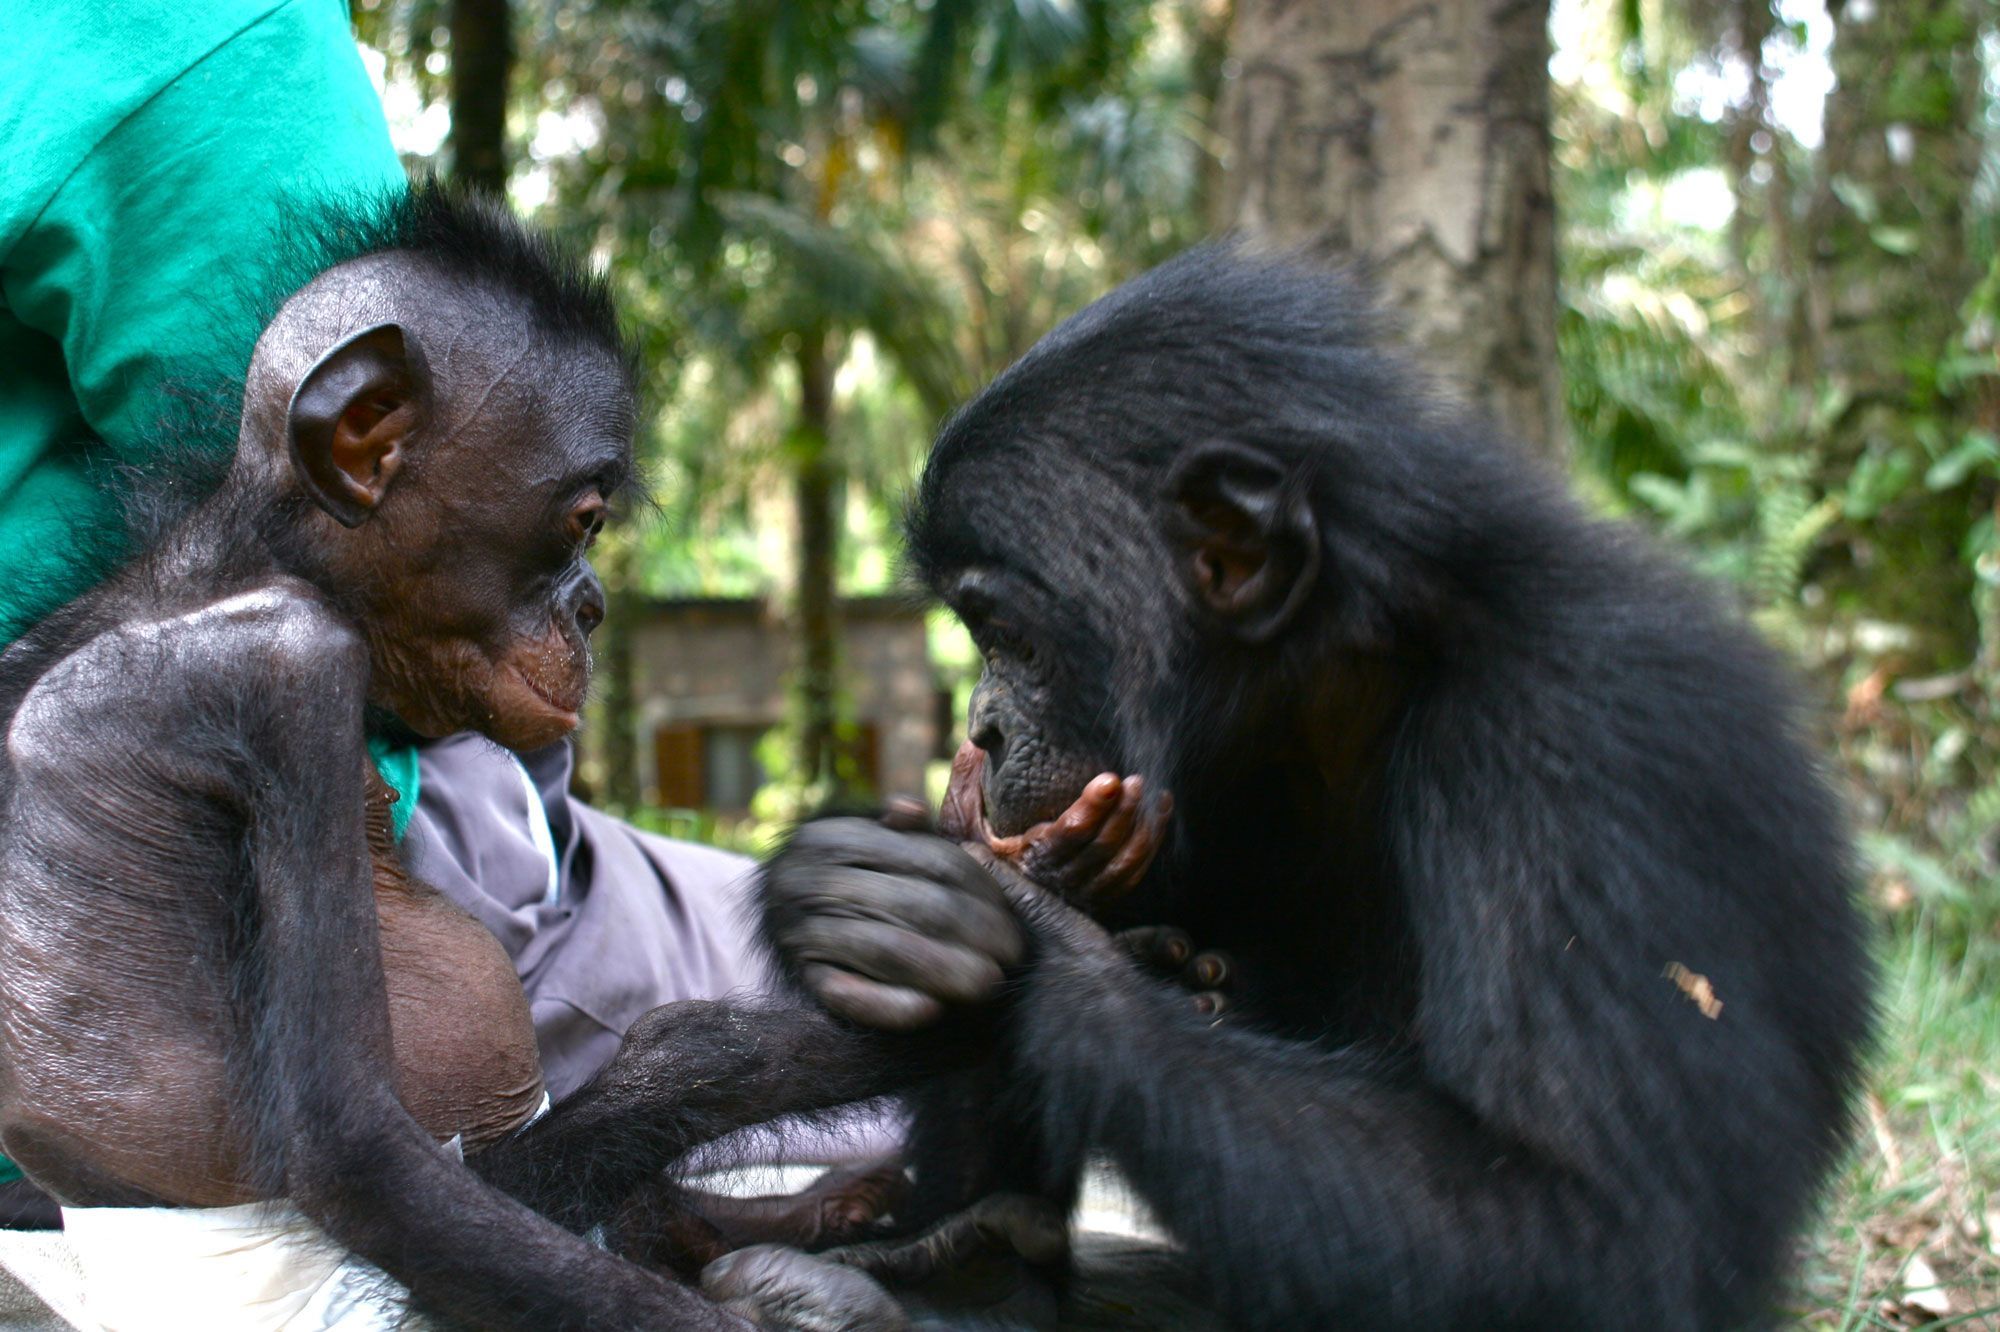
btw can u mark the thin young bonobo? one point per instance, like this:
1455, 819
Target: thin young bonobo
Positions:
218, 983
1553, 988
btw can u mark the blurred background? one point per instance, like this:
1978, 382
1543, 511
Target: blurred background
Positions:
1730, 263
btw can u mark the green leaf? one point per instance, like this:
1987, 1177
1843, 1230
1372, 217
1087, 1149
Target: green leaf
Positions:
1977, 447
1860, 200
1667, 497
1877, 479
1900, 241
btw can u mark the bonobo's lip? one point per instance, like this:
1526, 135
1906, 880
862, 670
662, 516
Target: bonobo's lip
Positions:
564, 705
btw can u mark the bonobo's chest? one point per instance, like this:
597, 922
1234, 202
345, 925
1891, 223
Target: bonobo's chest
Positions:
466, 1061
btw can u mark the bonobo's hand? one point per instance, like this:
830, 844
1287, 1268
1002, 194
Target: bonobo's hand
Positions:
1062, 933
886, 926
1092, 853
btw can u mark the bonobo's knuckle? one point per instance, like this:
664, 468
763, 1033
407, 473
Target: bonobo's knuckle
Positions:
830, 836
788, 1291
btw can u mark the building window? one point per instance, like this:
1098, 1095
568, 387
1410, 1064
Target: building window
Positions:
715, 767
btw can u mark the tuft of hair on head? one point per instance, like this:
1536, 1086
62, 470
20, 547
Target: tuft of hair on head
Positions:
464, 236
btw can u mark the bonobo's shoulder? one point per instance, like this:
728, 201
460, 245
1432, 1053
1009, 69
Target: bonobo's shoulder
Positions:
230, 645
271, 622
274, 617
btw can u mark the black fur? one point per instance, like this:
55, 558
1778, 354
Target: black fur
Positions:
1476, 1087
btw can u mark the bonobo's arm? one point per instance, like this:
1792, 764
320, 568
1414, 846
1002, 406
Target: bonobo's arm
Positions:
1311, 1187
1308, 1185
352, 1158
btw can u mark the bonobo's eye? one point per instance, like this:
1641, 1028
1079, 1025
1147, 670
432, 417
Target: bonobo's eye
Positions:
587, 518
997, 640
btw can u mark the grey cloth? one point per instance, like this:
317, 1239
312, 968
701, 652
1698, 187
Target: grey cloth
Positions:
633, 921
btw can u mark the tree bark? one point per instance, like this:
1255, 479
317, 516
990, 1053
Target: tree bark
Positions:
816, 488
1890, 254
1413, 134
482, 56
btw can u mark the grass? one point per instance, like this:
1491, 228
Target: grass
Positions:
1910, 1236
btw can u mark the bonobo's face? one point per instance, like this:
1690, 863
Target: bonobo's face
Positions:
462, 458
1037, 711
483, 623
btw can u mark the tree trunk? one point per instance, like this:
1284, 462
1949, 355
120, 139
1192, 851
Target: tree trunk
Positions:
816, 479
1890, 267
1891, 260
1414, 133
482, 54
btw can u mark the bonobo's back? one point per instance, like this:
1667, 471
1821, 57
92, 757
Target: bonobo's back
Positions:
1524, 817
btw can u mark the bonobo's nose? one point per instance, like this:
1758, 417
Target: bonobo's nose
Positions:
586, 605
983, 726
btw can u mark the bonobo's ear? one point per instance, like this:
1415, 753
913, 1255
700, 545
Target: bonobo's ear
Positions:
350, 419
1249, 544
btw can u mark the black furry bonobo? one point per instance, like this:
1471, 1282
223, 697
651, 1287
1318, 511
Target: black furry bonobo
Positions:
217, 984
1553, 990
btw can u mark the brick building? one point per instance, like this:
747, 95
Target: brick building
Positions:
710, 676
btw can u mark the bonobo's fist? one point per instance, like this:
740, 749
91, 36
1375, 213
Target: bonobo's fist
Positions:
886, 923
885, 926
1092, 853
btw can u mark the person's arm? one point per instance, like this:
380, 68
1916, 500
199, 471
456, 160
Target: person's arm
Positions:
152, 265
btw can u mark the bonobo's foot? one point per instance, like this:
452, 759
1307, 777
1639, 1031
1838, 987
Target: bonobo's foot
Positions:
1209, 977
842, 1205
682, 1229
785, 1290
1013, 1223
1092, 853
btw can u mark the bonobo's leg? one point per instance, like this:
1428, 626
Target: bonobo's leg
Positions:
687, 1074
351, 1156
25, 1207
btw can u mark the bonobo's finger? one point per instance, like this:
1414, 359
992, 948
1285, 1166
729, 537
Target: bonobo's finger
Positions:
1000, 1222
1210, 971
870, 1003
921, 906
1057, 842
1158, 948
1084, 874
905, 813
1056, 923
895, 956
1132, 861
1211, 1003
784, 1290
866, 844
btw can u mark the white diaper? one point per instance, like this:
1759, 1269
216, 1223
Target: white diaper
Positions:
257, 1267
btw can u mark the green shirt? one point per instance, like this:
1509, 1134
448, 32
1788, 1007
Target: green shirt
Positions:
150, 147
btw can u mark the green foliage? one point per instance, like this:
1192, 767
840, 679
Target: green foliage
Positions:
1760, 390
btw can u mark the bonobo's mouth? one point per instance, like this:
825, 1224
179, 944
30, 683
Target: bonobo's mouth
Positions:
962, 816
1091, 852
566, 697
